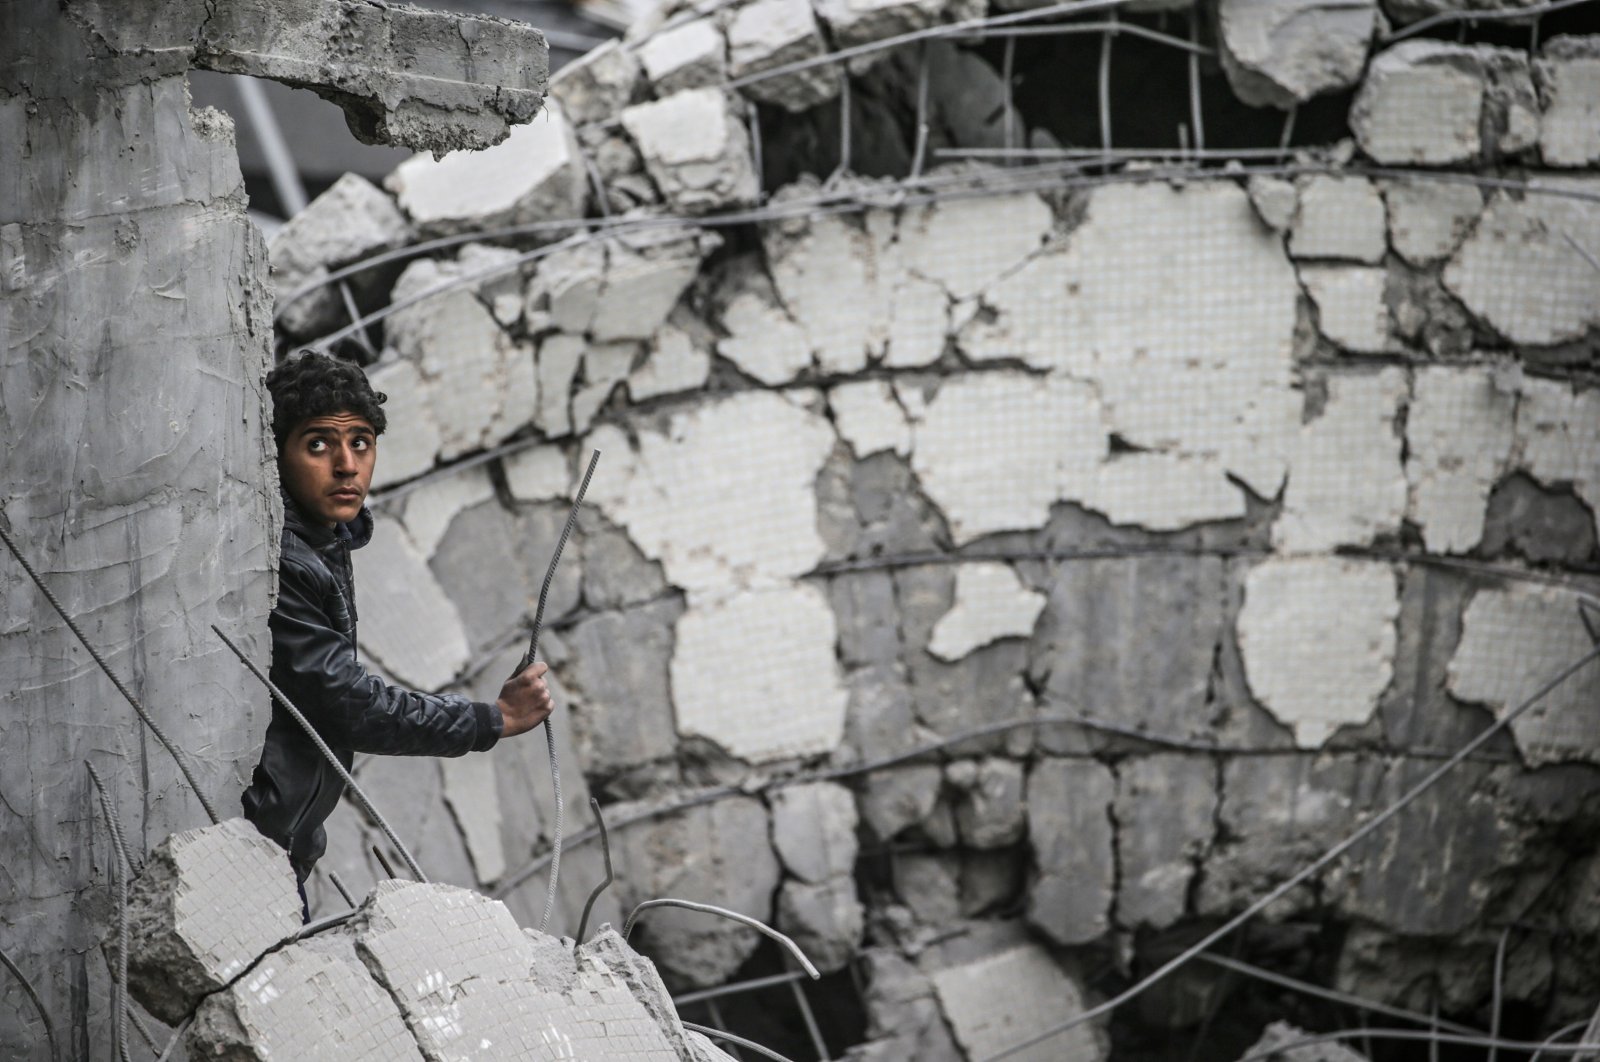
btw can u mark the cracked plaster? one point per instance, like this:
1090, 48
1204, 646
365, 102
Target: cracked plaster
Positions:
990, 603
1459, 434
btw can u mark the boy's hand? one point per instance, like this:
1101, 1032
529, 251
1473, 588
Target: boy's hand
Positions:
525, 701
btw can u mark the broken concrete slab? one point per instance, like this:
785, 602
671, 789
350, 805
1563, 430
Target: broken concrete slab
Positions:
725, 497
827, 276
904, 1019
1317, 636
1339, 217
879, 719
184, 939
989, 811
898, 798
1511, 274
620, 287
471, 791
312, 1000
617, 679
990, 603
868, 618
1165, 811
762, 339
537, 474
676, 360
770, 33
1275, 201
718, 853
1558, 437
399, 589
964, 245
814, 830
855, 22
1429, 219
605, 367
696, 150
1043, 440
484, 538
1567, 71
1327, 503
1458, 439
869, 419
756, 673
1420, 104
1512, 641
597, 85
1351, 307
1282, 54
555, 367
1074, 847
535, 175
349, 221
411, 448
427, 80
929, 885
826, 919
690, 56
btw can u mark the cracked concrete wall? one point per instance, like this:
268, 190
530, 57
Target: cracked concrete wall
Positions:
135, 331
1224, 504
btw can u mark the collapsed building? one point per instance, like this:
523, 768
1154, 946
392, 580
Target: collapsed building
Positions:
1025, 535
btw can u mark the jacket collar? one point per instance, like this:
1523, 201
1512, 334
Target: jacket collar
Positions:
357, 532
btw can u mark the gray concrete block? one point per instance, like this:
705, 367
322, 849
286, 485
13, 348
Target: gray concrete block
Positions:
599, 84
1567, 72
903, 1015
1431, 103
1282, 54
865, 609
814, 830
617, 678
693, 55
408, 624
1340, 218
185, 936
349, 221
1547, 525
615, 573
428, 80
772, 33
929, 884
696, 150
482, 563
989, 812
719, 853
990, 881
825, 919
880, 719
1070, 828
313, 1000
899, 797
1166, 818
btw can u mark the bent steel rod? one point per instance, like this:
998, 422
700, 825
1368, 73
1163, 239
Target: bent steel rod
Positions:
328, 754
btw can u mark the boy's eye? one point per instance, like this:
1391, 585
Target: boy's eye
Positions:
360, 444
316, 446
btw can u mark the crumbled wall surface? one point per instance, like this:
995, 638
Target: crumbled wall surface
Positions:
1221, 508
135, 330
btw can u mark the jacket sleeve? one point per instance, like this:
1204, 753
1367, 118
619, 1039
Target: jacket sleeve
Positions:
316, 666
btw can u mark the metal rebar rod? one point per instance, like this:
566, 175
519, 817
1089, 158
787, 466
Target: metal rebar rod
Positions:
1197, 122
720, 1025
595, 182
605, 850
723, 1034
177, 754
1104, 86
737, 988
1506, 14
1008, 71
742, 919
919, 153
1561, 1034
845, 106
38, 1004
1309, 870
177, 1034
1288, 130
1497, 984
328, 753
752, 112
339, 887
527, 660
1064, 29
810, 1019
119, 978
1332, 995
384, 863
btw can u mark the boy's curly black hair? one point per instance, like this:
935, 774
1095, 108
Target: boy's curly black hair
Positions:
309, 384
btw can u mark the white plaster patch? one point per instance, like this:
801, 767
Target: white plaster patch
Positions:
1339, 217
1459, 433
469, 789
428, 510
1514, 640
919, 323
828, 278
1427, 219
1317, 635
1568, 72
1558, 437
995, 450
1420, 104
757, 674
1518, 272
408, 624
1164, 492
965, 245
540, 473
990, 603
762, 340
1180, 306
727, 496
1346, 486
869, 418
674, 363
1350, 306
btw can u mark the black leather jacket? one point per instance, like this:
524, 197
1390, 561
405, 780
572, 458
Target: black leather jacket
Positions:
294, 788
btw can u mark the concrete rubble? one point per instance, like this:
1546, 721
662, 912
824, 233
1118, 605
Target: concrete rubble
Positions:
766, 34
1283, 54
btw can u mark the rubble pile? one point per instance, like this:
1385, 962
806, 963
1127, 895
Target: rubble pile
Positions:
1191, 520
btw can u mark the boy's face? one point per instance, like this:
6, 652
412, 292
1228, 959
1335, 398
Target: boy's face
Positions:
326, 466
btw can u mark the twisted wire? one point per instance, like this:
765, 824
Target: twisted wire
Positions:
322, 746
119, 980
38, 1004
177, 754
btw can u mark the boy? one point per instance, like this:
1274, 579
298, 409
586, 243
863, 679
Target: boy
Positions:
327, 419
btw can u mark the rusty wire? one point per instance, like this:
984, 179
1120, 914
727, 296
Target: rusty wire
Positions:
1309, 870
328, 753
723, 1034
119, 976
743, 919
178, 755
38, 1004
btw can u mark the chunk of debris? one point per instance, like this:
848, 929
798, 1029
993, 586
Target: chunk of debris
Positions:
1426, 102
826, 919
1282, 54
1070, 829
597, 85
1351, 309
696, 150
1276, 1045
1339, 217
990, 603
1165, 809
1429, 219
1458, 434
350, 221
690, 56
185, 936
767, 34
1567, 71
814, 830
989, 810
